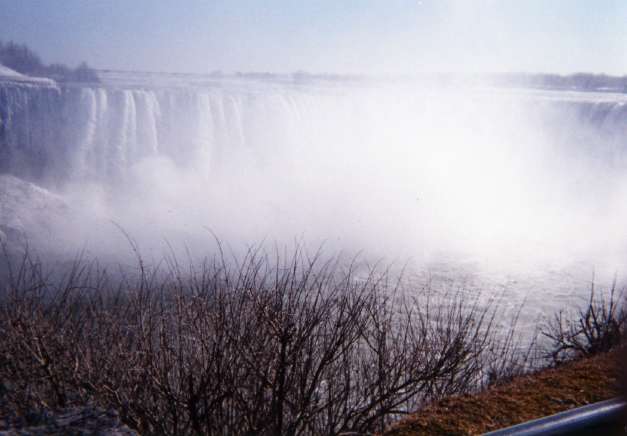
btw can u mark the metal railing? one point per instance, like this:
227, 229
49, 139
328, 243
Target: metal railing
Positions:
603, 418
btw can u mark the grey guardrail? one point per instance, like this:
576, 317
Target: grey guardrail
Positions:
604, 417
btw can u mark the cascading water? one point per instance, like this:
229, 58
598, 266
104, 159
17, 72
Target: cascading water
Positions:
398, 170
100, 132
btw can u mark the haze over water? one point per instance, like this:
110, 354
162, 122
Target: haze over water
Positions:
513, 188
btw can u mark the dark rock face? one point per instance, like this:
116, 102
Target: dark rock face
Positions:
74, 421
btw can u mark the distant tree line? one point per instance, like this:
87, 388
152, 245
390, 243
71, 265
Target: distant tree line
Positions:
579, 81
21, 58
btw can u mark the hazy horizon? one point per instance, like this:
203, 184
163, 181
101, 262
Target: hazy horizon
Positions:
395, 37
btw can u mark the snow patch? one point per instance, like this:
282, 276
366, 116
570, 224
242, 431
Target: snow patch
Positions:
9, 75
8, 72
26, 208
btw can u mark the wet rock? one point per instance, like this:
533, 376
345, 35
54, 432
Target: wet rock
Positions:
73, 421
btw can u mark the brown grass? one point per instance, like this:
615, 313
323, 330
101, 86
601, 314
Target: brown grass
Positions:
527, 397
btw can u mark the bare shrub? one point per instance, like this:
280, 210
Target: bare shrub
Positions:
511, 354
281, 345
595, 328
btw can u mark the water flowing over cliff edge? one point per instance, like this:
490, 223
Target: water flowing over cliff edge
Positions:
400, 169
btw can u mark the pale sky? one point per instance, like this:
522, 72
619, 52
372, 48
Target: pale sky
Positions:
343, 36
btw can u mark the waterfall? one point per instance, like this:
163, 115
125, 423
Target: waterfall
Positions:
49, 133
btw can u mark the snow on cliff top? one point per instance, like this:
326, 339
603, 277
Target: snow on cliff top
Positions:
7, 74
